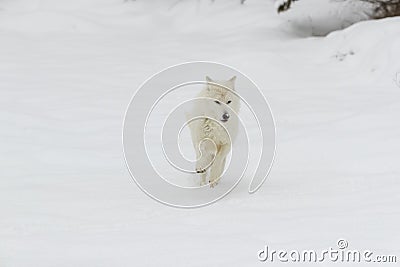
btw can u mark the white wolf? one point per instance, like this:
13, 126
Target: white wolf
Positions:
213, 134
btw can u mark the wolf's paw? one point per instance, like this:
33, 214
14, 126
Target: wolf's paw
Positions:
282, 5
213, 183
200, 170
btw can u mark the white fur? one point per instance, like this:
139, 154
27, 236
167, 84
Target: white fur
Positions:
212, 136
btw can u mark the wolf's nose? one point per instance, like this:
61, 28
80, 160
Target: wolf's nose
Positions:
225, 116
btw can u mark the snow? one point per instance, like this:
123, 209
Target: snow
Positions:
68, 70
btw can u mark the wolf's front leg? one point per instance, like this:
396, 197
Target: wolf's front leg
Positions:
203, 180
204, 155
204, 162
205, 158
201, 168
218, 166
215, 175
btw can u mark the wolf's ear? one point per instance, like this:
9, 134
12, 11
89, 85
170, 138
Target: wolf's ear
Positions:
209, 80
231, 81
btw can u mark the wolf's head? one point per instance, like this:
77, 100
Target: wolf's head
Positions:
223, 97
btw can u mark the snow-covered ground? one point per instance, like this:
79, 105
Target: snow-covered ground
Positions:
68, 70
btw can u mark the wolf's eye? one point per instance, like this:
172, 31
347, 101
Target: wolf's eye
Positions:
216, 101
229, 102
